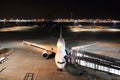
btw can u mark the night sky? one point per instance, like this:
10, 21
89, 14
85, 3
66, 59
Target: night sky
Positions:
60, 9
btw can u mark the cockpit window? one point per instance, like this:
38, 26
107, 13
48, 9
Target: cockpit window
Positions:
60, 62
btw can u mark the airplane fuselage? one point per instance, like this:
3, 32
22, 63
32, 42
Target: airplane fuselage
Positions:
60, 53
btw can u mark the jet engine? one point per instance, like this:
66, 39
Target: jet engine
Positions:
45, 54
48, 55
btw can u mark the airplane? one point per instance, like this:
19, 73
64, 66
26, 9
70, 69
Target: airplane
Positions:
60, 54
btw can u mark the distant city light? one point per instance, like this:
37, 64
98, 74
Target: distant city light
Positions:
62, 20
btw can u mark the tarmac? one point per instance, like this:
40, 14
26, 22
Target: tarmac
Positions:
26, 59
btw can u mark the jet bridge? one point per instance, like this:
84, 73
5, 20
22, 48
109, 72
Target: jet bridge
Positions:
95, 61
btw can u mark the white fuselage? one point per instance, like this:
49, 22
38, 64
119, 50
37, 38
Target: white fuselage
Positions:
60, 53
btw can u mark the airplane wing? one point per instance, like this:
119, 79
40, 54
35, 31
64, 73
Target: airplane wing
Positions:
80, 47
35, 45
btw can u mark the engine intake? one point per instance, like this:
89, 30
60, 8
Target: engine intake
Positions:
47, 55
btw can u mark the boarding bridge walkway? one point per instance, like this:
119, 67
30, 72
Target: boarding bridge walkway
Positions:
95, 61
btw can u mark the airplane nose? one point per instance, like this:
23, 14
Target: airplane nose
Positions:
61, 65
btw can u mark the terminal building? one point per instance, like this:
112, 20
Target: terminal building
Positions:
95, 61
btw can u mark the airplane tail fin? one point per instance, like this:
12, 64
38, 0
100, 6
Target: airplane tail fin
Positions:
60, 32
